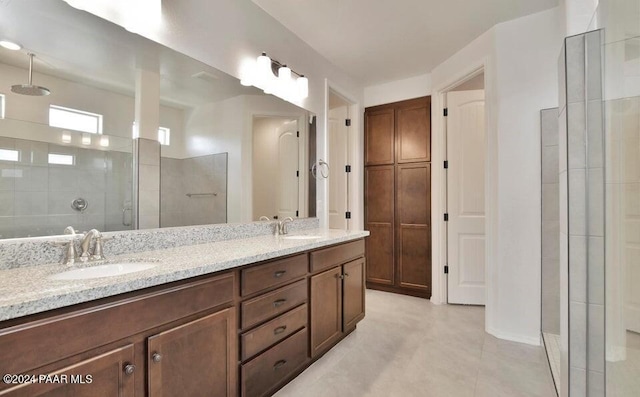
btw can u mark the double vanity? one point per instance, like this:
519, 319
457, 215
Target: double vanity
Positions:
239, 316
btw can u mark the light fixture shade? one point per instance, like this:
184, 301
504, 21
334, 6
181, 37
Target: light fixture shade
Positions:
302, 84
66, 137
284, 74
104, 141
10, 45
263, 66
86, 139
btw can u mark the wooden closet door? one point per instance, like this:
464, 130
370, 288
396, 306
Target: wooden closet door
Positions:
413, 217
379, 221
379, 136
413, 131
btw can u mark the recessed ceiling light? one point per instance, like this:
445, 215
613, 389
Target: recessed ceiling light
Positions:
10, 45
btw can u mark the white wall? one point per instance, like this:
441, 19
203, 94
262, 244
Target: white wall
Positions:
578, 15
413, 87
520, 62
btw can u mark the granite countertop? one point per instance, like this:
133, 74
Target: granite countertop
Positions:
28, 290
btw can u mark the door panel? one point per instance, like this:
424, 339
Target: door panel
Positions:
379, 137
287, 170
353, 293
196, 359
379, 220
338, 158
466, 227
413, 131
326, 310
413, 225
107, 378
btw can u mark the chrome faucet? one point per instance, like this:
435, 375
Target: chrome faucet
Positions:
282, 225
69, 254
85, 246
264, 218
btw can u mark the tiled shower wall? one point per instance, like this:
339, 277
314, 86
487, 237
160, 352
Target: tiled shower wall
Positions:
550, 223
582, 216
205, 178
35, 196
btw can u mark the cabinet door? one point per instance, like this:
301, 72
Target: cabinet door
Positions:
413, 219
107, 372
195, 359
379, 220
326, 309
379, 137
353, 293
413, 131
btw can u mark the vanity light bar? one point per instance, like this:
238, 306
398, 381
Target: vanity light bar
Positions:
259, 73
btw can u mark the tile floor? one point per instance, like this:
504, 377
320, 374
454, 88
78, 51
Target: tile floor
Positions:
408, 347
623, 377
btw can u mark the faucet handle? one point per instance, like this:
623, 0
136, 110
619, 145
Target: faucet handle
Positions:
97, 248
69, 253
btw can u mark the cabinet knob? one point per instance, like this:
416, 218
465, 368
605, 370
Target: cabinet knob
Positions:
156, 357
279, 273
129, 369
279, 330
279, 364
346, 274
279, 302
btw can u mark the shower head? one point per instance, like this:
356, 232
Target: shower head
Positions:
30, 89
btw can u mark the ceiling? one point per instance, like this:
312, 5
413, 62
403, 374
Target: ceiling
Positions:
379, 41
80, 47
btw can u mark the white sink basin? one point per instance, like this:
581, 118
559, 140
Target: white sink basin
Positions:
308, 237
105, 270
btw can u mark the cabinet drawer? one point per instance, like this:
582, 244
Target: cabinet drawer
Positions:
264, 372
274, 303
333, 256
259, 339
263, 277
65, 335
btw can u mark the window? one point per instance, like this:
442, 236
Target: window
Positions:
73, 119
164, 134
62, 159
9, 155
2, 106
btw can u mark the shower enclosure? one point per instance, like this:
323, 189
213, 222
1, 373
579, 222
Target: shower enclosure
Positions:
591, 284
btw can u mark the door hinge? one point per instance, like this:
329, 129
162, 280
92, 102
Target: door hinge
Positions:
446, 112
347, 168
446, 269
347, 215
347, 122
446, 164
298, 134
446, 217
296, 213
297, 174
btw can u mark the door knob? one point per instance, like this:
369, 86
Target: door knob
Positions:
156, 357
129, 368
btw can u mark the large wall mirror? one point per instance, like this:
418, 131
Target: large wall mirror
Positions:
227, 152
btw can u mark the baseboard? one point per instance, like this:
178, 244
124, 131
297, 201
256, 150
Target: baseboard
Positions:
529, 340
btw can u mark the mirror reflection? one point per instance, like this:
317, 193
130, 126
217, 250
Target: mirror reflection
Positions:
66, 157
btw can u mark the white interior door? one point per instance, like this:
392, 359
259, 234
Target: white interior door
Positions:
631, 257
338, 159
466, 197
287, 183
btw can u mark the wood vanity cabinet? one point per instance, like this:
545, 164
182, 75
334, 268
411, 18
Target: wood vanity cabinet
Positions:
337, 294
190, 325
274, 341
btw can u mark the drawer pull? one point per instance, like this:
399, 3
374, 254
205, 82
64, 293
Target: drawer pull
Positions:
129, 368
279, 330
156, 357
279, 302
279, 364
279, 273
